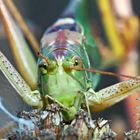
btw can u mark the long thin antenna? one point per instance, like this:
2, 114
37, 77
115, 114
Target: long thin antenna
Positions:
104, 72
43, 57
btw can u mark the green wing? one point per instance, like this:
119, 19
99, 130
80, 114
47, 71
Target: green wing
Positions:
81, 14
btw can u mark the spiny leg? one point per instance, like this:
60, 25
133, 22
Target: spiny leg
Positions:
22, 54
111, 95
18, 83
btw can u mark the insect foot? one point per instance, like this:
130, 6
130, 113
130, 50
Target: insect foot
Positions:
80, 128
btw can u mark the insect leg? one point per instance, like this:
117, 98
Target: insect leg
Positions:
56, 101
18, 83
85, 101
20, 49
113, 94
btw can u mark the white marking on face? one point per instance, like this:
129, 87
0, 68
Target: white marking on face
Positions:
59, 60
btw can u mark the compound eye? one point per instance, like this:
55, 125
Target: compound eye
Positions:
43, 68
77, 61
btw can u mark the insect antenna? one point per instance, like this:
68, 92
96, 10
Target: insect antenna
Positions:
104, 72
43, 57
24, 27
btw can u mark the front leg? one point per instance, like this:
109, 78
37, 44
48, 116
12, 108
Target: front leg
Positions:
111, 95
18, 83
